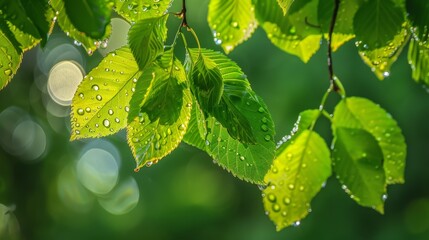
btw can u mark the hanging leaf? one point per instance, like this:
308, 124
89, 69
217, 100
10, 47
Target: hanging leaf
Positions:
90, 44
232, 22
14, 13
89, 16
41, 15
207, 82
377, 22
417, 13
343, 29
296, 176
197, 124
418, 58
101, 103
146, 39
285, 5
10, 57
135, 10
304, 121
362, 114
243, 146
357, 161
290, 33
164, 116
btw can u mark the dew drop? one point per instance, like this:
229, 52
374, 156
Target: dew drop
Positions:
291, 186
242, 158
77, 132
117, 120
80, 111
81, 95
8, 72
148, 164
95, 87
88, 110
286, 200
157, 146
267, 137
106, 123
261, 110
264, 127
276, 207
110, 112
99, 97
271, 197
301, 188
127, 109
296, 224
181, 127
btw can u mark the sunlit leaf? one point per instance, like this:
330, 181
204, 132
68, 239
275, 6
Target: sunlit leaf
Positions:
228, 140
343, 30
417, 13
229, 111
291, 33
197, 124
304, 121
296, 176
360, 113
10, 57
101, 103
207, 82
164, 116
90, 44
418, 57
146, 39
232, 22
89, 16
285, 5
381, 59
134, 10
358, 164
377, 22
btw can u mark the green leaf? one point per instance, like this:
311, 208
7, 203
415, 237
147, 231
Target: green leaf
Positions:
10, 57
417, 13
290, 33
381, 59
377, 22
206, 82
232, 22
197, 124
146, 39
304, 121
134, 10
357, 161
418, 57
229, 111
296, 176
225, 138
164, 116
90, 44
89, 16
100, 105
285, 5
41, 15
14, 13
343, 30
361, 113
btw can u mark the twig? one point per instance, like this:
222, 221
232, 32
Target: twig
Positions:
334, 85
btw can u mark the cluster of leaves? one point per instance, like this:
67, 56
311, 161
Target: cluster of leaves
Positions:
207, 101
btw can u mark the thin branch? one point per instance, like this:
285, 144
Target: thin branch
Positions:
334, 85
183, 14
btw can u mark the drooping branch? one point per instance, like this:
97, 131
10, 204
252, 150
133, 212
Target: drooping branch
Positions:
334, 85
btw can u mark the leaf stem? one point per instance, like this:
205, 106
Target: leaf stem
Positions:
334, 85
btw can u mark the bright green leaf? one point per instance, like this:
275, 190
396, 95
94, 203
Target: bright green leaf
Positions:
164, 117
290, 33
381, 59
197, 124
10, 55
418, 57
296, 176
207, 82
90, 44
100, 105
360, 113
246, 160
343, 30
304, 121
229, 110
417, 12
134, 10
357, 162
146, 39
232, 22
89, 16
285, 5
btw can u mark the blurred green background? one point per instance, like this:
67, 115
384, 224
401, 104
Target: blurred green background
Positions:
87, 189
